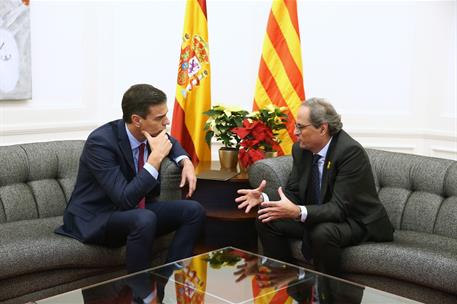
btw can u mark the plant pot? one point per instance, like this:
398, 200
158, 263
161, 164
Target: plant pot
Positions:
271, 154
228, 157
242, 168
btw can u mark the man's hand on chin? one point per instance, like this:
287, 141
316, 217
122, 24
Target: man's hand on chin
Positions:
160, 147
188, 176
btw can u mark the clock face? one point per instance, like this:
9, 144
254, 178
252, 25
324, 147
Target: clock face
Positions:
9, 61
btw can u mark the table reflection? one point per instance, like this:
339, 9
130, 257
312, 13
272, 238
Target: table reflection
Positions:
238, 276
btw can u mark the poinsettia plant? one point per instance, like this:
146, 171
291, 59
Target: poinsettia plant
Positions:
275, 118
221, 120
255, 136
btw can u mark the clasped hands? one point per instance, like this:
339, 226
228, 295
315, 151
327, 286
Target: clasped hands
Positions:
160, 148
268, 211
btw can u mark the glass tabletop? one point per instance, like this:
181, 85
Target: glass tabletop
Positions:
227, 275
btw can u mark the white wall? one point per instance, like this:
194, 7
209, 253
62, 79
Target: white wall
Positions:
389, 67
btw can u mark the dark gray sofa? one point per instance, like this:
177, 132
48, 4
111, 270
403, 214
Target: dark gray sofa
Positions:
36, 181
420, 195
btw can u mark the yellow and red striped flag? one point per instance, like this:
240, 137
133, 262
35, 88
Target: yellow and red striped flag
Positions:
193, 92
280, 80
270, 295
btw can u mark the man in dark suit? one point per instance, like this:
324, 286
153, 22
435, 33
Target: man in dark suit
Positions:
114, 199
330, 199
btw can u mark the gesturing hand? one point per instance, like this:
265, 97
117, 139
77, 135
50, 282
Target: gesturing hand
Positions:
249, 267
250, 197
274, 210
160, 147
277, 277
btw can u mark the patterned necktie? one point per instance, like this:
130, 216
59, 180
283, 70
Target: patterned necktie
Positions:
315, 181
142, 202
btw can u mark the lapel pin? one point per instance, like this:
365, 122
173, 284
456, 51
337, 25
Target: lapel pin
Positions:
329, 165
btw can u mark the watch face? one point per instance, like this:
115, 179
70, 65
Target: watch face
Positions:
9, 61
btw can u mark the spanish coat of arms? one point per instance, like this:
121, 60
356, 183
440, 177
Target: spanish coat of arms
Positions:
193, 63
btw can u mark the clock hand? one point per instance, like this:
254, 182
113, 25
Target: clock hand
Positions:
1, 46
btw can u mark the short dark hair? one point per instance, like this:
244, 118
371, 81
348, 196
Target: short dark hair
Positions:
138, 98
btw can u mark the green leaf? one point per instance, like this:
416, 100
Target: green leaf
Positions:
208, 137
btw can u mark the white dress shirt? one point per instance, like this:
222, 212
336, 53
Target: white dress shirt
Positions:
320, 164
135, 145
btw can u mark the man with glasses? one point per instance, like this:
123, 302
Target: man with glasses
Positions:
330, 199
114, 201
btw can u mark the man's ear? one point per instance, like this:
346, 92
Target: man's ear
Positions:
136, 120
324, 128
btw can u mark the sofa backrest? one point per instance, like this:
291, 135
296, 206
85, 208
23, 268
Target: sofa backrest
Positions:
36, 180
418, 192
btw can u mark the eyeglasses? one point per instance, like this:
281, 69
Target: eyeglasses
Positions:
301, 127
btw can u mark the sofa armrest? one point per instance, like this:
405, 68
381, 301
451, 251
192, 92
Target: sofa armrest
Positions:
170, 177
274, 170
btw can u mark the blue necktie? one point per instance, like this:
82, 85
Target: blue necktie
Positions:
315, 181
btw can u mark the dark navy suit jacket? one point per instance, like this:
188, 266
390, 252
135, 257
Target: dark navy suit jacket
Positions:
107, 182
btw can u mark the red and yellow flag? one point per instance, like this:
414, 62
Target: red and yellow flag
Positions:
280, 80
190, 282
270, 295
193, 92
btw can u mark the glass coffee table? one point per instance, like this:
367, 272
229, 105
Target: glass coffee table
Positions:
227, 275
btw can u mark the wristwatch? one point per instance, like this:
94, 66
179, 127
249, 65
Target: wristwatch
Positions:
298, 218
261, 198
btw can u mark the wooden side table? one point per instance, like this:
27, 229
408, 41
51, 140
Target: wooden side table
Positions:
226, 225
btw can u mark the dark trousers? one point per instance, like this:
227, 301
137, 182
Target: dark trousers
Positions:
137, 229
322, 242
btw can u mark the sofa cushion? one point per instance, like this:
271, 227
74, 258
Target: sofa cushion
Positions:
424, 259
32, 246
37, 179
414, 190
446, 222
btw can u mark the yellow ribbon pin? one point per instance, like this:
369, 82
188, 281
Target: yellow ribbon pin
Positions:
329, 165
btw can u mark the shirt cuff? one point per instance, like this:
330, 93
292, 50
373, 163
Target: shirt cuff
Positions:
265, 197
180, 158
304, 213
150, 297
301, 273
150, 168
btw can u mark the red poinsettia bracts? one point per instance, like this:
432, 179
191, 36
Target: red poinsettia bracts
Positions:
255, 137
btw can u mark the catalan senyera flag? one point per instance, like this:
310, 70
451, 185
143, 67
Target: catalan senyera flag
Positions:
193, 93
270, 295
280, 79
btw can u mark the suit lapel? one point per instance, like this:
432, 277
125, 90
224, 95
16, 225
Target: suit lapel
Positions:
306, 167
328, 166
124, 144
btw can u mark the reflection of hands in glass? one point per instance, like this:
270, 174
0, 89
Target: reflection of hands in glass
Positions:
277, 277
249, 267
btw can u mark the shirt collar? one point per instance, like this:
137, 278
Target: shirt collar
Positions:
134, 143
323, 152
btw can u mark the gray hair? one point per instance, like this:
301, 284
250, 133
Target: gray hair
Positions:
321, 111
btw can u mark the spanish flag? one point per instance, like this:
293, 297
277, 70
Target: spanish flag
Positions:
193, 93
280, 80
190, 282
